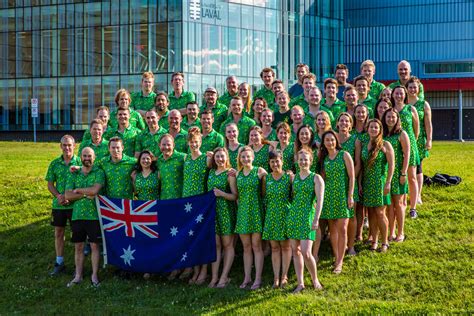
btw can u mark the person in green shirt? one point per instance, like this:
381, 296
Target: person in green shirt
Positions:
267, 75
314, 105
144, 99
117, 168
232, 86
56, 176
330, 101
341, 74
82, 187
277, 87
351, 99
179, 98
103, 114
219, 110
309, 81
123, 99
125, 131
161, 106
404, 74
192, 116
180, 135
367, 69
211, 139
244, 123
363, 88
269, 133
149, 139
170, 166
98, 144
245, 92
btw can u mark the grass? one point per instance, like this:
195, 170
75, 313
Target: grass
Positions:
430, 273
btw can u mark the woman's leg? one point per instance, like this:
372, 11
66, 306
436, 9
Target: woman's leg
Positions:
298, 262
341, 228
276, 262
306, 246
399, 202
413, 187
382, 223
351, 233
391, 209
215, 265
229, 254
285, 261
248, 258
258, 256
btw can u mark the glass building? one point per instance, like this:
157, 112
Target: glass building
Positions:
73, 55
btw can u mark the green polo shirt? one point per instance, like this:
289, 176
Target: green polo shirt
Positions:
87, 134
220, 112
296, 100
118, 183
147, 140
140, 102
376, 89
186, 126
180, 103
58, 173
321, 108
421, 94
129, 137
301, 102
212, 141
85, 208
101, 150
334, 108
136, 120
244, 125
370, 102
226, 98
163, 122
265, 93
181, 141
171, 175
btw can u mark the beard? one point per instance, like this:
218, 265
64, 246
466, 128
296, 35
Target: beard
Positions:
86, 163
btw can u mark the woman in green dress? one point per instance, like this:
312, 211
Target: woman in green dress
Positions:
284, 145
277, 202
260, 146
232, 143
269, 133
249, 225
410, 124
225, 189
305, 138
398, 138
303, 218
381, 106
378, 165
352, 145
322, 124
145, 179
337, 169
424, 141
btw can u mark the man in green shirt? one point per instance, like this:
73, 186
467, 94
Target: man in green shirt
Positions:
404, 74
170, 165
309, 81
277, 87
180, 135
98, 144
179, 98
219, 110
81, 189
150, 139
314, 101
103, 114
123, 99
243, 122
210, 138
192, 116
117, 168
351, 99
267, 75
367, 69
144, 99
363, 88
161, 106
330, 101
232, 86
56, 176
125, 131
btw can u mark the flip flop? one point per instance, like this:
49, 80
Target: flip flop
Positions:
73, 283
223, 285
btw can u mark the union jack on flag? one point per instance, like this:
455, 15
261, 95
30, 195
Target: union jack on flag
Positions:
130, 215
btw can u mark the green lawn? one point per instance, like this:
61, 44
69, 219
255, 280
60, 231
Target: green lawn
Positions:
431, 272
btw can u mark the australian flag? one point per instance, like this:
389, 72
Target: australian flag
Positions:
159, 235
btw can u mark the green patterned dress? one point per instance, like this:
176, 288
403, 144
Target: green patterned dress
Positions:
349, 145
421, 142
195, 175
288, 156
335, 191
302, 209
407, 125
373, 180
396, 186
233, 156
261, 158
225, 209
147, 188
249, 206
277, 205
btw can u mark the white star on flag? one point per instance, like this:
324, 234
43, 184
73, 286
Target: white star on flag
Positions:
174, 231
188, 207
191, 233
199, 218
185, 255
128, 255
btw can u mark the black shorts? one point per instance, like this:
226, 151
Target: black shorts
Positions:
59, 218
419, 168
86, 228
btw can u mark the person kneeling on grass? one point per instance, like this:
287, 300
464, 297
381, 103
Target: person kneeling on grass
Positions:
81, 188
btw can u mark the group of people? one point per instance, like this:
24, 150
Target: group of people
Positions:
287, 167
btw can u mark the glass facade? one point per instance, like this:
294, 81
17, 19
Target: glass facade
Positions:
73, 55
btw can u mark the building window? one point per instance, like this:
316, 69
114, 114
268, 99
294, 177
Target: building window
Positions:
443, 68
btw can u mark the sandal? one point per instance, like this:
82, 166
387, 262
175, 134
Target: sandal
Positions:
318, 287
245, 284
284, 282
73, 283
256, 286
223, 285
298, 289
384, 248
374, 246
400, 238
212, 284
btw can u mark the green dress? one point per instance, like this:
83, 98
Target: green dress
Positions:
195, 175
335, 190
302, 209
277, 205
147, 188
421, 142
225, 209
261, 158
373, 180
233, 156
396, 186
349, 145
288, 156
249, 205
407, 125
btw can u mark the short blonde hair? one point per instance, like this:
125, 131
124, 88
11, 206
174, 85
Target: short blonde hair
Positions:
147, 75
368, 63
